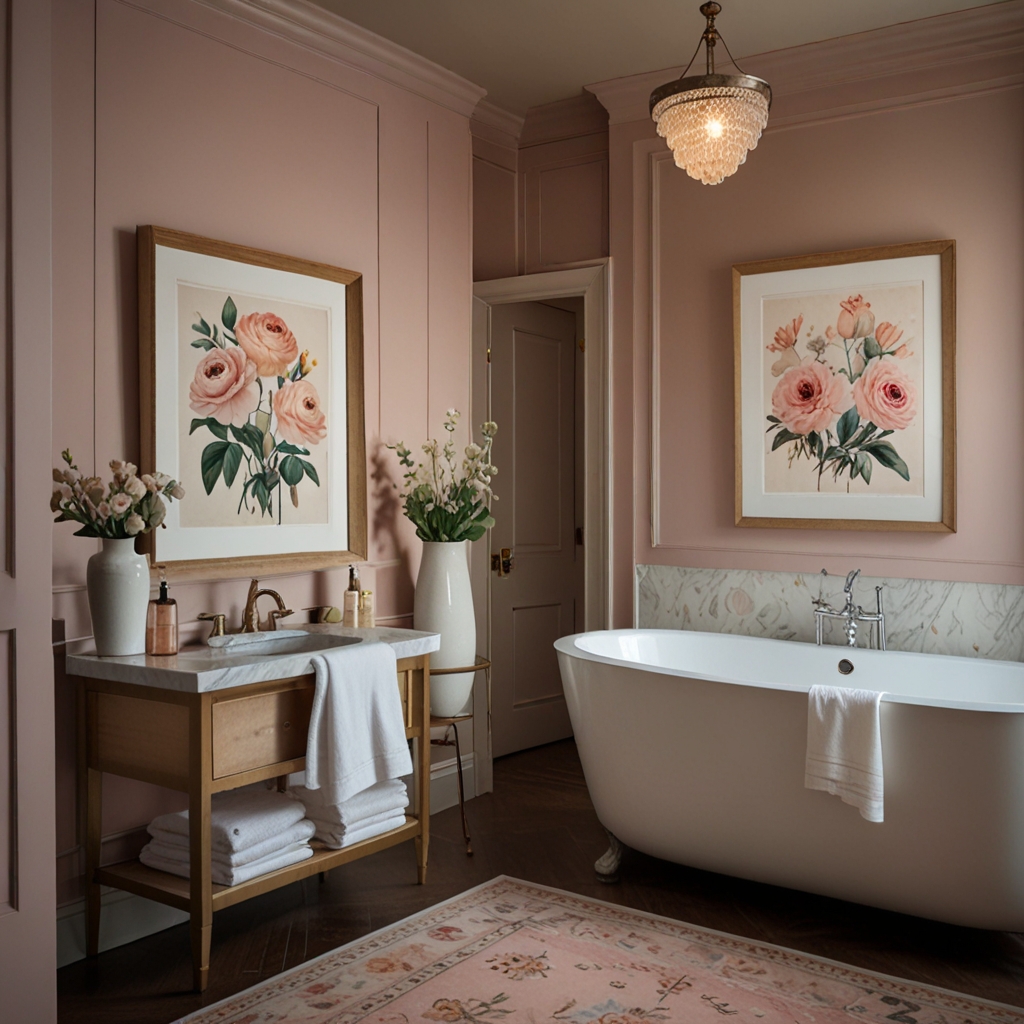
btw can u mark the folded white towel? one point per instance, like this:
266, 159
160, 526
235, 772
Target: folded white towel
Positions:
325, 827
165, 858
331, 838
383, 798
844, 747
298, 833
239, 818
356, 728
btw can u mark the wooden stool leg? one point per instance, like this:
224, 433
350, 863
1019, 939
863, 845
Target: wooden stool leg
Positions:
462, 793
93, 839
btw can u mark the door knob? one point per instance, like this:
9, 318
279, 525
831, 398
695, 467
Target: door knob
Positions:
504, 563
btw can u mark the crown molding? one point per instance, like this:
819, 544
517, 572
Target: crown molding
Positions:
495, 125
338, 39
579, 115
944, 55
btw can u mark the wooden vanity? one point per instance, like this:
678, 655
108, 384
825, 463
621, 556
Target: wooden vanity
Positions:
204, 741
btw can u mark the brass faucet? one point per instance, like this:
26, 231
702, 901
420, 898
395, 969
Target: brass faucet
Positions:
251, 618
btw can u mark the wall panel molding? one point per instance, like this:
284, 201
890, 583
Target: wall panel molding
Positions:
929, 58
343, 41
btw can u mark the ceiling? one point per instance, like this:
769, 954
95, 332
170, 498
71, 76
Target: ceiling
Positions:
529, 52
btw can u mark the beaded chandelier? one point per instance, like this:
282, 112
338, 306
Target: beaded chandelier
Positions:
711, 121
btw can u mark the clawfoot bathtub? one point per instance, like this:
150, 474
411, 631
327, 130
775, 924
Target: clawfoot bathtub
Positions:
693, 748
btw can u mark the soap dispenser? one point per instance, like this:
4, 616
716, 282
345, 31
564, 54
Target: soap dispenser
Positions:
162, 624
351, 606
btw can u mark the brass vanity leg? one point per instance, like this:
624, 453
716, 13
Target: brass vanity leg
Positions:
423, 775
200, 892
93, 842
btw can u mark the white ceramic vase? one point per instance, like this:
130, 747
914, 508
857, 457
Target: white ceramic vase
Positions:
444, 604
118, 583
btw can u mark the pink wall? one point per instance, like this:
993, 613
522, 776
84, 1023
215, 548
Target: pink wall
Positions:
190, 119
540, 202
877, 160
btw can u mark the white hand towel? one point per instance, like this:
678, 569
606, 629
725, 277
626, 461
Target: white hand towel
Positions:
162, 859
298, 833
239, 818
356, 728
383, 798
844, 747
336, 842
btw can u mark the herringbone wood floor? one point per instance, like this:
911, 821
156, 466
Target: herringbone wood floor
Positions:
538, 825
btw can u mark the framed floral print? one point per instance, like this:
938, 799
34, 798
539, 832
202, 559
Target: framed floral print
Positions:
251, 396
845, 389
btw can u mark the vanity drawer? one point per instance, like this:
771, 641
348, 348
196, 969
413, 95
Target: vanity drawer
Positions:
265, 729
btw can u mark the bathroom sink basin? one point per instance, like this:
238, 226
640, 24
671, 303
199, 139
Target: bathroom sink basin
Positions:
266, 644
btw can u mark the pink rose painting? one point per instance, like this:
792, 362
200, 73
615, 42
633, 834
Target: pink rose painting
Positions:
256, 393
845, 391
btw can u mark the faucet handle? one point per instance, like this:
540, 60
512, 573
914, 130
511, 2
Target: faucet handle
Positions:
851, 577
219, 620
276, 614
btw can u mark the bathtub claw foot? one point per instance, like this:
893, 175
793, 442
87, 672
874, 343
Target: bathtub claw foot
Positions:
607, 865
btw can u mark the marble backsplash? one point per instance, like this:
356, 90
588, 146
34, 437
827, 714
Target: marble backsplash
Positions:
972, 620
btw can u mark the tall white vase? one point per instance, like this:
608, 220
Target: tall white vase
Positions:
118, 583
444, 604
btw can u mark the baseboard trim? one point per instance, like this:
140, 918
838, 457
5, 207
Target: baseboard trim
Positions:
126, 917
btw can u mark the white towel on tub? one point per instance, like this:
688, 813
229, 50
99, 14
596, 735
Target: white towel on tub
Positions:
844, 747
356, 727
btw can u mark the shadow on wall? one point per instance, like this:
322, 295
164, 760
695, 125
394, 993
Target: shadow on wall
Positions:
384, 531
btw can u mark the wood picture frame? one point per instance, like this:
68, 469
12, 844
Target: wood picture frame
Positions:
824, 345
235, 448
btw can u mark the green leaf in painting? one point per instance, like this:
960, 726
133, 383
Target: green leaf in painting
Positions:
232, 460
864, 465
260, 493
871, 348
203, 343
202, 327
847, 424
291, 470
229, 314
782, 437
215, 426
291, 449
212, 462
310, 471
887, 455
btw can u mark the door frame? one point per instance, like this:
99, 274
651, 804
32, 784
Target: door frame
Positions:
593, 283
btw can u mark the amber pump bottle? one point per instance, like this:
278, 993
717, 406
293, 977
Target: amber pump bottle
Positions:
350, 616
162, 624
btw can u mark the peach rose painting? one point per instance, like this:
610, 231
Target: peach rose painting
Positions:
843, 391
254, 408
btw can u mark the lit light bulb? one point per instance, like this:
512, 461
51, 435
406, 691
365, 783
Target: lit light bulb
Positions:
714, 129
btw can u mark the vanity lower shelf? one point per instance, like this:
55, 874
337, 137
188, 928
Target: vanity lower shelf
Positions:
174, 891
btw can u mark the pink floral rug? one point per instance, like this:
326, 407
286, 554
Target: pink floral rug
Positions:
509, 951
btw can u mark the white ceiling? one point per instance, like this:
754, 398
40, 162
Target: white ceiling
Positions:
528, 52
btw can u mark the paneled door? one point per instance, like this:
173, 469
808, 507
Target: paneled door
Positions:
536, 597
28, 969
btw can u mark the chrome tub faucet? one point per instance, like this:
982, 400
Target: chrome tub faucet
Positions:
851, 613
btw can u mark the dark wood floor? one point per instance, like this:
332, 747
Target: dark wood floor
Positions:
538, 825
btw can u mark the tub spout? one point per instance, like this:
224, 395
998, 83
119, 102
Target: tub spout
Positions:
607, 865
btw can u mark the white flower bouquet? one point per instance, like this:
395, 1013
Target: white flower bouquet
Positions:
443, 504
128, 505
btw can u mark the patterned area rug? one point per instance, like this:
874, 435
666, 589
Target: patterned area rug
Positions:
513, 952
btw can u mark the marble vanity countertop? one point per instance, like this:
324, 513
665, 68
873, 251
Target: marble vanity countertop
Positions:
201, 668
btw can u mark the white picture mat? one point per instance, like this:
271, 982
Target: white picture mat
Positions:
177, 543
855, 277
